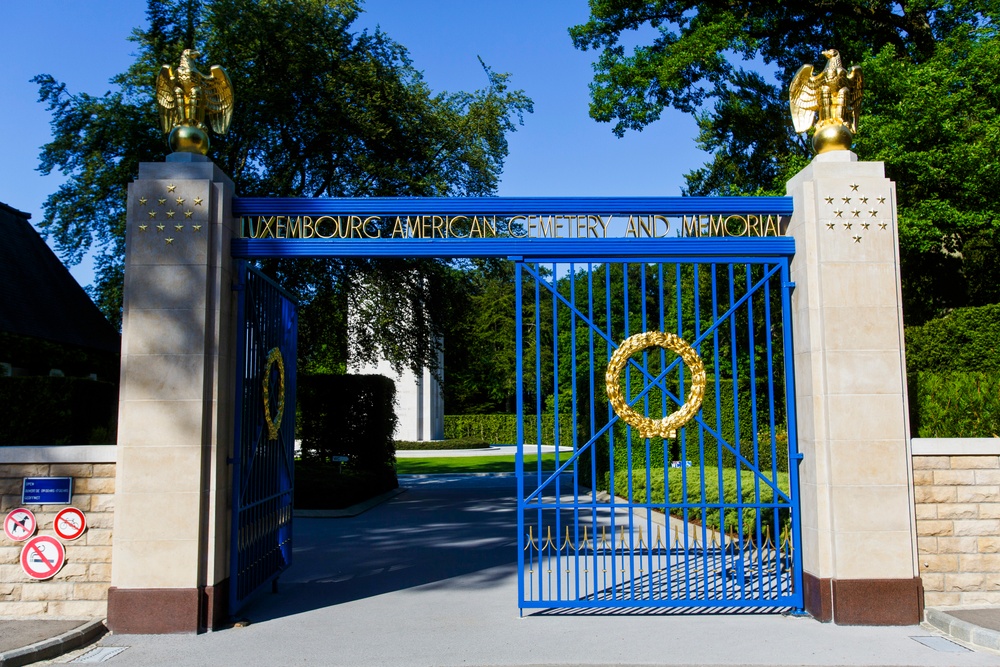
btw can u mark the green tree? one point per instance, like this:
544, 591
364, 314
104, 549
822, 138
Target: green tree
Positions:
320, 111
930, 110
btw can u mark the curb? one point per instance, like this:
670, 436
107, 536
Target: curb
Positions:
56, 646
963, 630
346, 512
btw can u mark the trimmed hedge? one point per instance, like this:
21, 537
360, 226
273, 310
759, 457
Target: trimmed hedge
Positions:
953, 366
710, 517
502, 428
42, 410
954, 405
352, 416
967, 339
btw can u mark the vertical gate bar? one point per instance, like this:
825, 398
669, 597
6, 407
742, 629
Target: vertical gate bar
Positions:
611, 431
776, 514
737, 445
519, 454
682, 434
538, 422
794, 457
593, 420
754, 440
629, 465
575, 426
666, 591
696, 290
555, 425
241, 348
649, 453
718, 427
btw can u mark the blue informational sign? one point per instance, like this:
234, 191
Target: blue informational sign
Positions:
47, 491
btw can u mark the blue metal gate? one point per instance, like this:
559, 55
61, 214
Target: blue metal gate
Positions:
264, 450
629, 517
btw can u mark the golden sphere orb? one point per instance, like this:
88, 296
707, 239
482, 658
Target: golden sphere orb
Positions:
832, 137
187, 139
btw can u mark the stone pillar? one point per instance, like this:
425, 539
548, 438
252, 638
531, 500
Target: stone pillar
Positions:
858, 527
171, 525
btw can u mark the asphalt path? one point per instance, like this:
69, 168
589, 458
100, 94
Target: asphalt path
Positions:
429, 579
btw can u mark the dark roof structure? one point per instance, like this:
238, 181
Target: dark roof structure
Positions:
38, 296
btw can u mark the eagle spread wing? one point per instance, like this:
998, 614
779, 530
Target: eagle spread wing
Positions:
218, 93
170, 114
804, 98
855, 87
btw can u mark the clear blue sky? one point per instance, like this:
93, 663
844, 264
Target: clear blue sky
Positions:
559, 151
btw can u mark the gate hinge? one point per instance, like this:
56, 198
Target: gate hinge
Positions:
798, 456
788, 285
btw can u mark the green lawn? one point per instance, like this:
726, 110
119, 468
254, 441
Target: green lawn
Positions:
447, 464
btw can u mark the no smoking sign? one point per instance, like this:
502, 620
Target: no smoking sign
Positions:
42, 557
20, 524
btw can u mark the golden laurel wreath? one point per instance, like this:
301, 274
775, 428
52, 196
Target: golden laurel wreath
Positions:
274, 357
666, 427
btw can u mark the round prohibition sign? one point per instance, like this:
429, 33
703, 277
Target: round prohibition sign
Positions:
42, 557
70, 523
20, 524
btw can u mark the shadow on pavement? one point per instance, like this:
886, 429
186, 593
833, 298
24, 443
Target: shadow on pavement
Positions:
428, 536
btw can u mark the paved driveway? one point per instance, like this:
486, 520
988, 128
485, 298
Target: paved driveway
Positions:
429, 579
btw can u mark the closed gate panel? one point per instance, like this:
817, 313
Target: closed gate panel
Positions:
623, 515
264, 449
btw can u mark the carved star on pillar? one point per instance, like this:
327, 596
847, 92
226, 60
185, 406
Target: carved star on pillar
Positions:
161, 201
143, 228
188, 214
831, 225
881, 200
857, 239
829, 200
160, 228
152, 214
171, 188
169, 240
197, 201
180, 200
142, 201
170, 214
854, 187
179, 228
196, 228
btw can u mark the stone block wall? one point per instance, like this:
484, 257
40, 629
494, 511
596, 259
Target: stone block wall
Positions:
957, 497
80, 588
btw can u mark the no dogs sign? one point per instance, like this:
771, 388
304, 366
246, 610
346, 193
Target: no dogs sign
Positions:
42, 557
20, 524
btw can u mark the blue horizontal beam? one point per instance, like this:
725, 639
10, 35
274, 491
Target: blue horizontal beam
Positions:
604, 249
503, 206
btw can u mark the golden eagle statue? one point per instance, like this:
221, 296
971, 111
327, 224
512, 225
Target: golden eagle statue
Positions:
187, 99
835, 94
